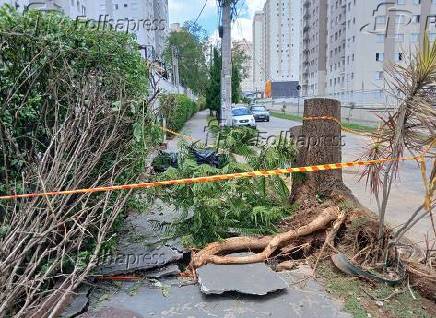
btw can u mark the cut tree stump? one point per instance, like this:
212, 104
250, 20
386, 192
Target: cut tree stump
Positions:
320, 143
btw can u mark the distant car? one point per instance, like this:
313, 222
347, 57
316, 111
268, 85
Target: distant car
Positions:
242, 116
260, 113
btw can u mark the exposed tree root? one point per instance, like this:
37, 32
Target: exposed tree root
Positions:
330, 237
269, 244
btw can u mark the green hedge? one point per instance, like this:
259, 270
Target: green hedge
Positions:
39, 50
177, 109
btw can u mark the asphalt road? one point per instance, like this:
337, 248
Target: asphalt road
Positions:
407, 192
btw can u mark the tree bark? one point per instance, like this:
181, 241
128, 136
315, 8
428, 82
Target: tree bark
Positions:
320, 143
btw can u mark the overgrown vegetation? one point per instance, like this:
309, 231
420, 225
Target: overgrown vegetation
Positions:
177, 109
73, 115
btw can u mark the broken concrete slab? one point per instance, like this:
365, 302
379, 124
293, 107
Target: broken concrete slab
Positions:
167, 271
251, 279
79, 303
136, 257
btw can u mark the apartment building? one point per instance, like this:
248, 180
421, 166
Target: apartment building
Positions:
147, 20
258, 53
365, 37
313, 45
246, 47
282, 40
71, 8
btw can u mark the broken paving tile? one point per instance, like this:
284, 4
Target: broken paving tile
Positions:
170, 270
79, 303
111, 313
136, 257
251, 279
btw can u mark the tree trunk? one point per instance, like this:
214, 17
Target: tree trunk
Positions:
319, 143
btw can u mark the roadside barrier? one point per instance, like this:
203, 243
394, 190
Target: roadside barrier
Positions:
210, 179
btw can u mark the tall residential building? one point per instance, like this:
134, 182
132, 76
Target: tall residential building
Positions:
146, 19
365, 37
313, 47
247, 48
282, 40
258, 53
71, 8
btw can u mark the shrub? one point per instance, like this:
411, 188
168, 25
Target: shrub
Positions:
177, 109
73, 115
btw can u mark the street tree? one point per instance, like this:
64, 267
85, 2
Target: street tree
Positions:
191, 43
213, 100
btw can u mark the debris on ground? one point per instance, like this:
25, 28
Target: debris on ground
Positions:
251, 279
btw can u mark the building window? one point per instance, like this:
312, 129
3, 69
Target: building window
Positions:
378, 76
414, 37
379, 57
125, 5
399, 37
416, 18
398, 57
381, 19
432, 37
401, 1
416, 1
380, 38
116, 6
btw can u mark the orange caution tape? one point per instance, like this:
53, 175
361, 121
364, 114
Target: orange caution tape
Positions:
209, 179
188, 138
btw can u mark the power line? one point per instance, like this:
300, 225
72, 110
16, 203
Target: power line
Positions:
201, 12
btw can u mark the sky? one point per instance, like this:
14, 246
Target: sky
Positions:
182, 10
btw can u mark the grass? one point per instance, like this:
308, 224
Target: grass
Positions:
356, 127
359, 303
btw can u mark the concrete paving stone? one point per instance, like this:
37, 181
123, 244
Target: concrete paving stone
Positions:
170, 270
136, 257
251, 279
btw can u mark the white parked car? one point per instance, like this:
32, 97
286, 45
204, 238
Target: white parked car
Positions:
242, 116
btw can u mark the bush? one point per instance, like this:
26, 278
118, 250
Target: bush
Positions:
43, 56
177, 109
73, 115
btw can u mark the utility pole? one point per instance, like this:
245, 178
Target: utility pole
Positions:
226, 72
175, 59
